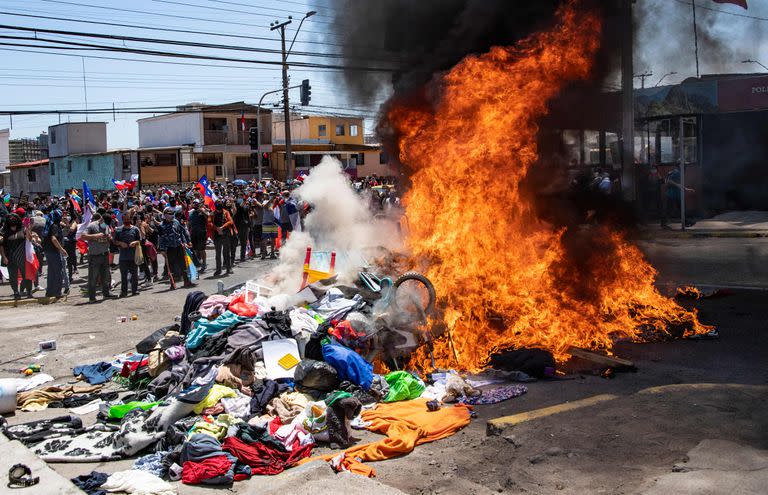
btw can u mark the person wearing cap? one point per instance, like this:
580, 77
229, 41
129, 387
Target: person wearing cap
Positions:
98, 235
173, 237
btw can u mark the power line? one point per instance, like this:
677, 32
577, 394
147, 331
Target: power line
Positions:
84, 34
221, 9
157, 53
162, 14
270, 8
164, 28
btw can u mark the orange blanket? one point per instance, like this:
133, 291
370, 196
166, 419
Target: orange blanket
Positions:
406, 425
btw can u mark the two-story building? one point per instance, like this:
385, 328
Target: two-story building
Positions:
78, 152
314, 136
201, 140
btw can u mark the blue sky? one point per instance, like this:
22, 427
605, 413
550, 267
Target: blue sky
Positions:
38, 80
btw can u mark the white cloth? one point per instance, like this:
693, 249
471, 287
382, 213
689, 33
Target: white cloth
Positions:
239, 406
137, 482
24, 384
334, 304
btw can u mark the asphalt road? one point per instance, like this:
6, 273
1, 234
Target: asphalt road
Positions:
718, 262
620, 446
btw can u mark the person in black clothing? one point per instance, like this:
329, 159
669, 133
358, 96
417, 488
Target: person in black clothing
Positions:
12, 245
198, 231
242, 224
127, 237
222, 226
54, 253
69, 226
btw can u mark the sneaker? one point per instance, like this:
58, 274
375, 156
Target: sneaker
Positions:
92, 300
110, 296
217, 273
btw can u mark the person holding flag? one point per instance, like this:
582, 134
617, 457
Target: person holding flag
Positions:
204, 187
172, 238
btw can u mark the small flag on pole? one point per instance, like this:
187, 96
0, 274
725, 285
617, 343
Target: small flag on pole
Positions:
740, 3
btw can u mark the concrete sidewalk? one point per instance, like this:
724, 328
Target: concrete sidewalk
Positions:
730, 224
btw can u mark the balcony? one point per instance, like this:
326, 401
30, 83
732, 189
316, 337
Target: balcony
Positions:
215, 137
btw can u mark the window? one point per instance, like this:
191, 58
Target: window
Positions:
244, 165
209, 158
353, 130
218, 170
339, 129
165, 159
53, 168
31, 176
69, 166
383, 158
53, 136
125, 158
90, 165
322, 130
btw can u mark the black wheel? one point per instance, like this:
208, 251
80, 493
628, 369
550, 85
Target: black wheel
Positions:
415, 294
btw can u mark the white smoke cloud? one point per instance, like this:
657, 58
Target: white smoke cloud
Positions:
340, 221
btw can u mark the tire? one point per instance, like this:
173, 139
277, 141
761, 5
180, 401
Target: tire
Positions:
424, 281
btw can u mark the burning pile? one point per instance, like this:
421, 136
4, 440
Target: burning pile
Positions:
505, 278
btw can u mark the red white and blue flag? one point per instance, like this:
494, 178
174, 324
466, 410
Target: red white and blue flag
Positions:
740, 3
205, 189
121, 185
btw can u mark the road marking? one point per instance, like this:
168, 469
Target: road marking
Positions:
496, 425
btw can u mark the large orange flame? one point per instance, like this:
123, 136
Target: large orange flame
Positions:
499, 270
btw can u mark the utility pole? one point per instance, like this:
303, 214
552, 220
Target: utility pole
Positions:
642, 78
286, 107
628, 169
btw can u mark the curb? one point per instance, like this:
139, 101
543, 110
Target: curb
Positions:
35, 300
702, 234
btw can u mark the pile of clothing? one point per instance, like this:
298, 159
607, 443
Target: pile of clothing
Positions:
211, 403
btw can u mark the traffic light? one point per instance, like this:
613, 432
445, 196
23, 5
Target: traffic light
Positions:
306, 92
253, 138
264, 160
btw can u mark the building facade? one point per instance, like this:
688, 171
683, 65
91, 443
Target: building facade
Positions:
78, 152
5, 157
28, 149
315, 136
30, 179
97, 169
201, 139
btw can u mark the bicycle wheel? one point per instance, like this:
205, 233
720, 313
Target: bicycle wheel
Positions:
415, 294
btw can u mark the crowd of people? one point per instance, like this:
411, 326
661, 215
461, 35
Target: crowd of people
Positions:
137, 230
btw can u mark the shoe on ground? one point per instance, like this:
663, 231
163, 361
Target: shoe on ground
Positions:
92, 300
135, 293
273, 256
110, 296
189, 285
217, 273
122, 295
229, 272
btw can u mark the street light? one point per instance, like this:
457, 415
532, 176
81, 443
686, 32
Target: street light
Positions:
665, 75
750, 61
286, 108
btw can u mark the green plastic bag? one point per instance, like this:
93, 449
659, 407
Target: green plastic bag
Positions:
120, 410
403, 386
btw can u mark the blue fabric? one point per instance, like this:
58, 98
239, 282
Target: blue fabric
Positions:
349, 365
202, 328
152, 463
95, 373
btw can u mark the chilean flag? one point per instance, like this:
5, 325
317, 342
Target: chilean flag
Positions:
205, 189
126, 184
31, 263
740, 3
242, 120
